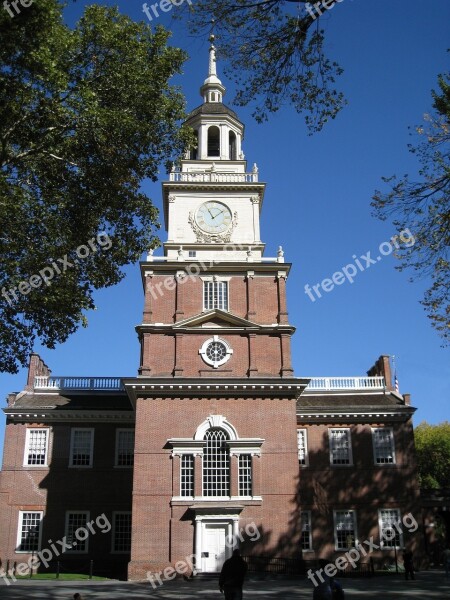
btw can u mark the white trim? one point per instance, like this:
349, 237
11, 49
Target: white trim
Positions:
19, 530
305, 446
119, 430
113, 532
75, 550
355, 528
330, 444
222, 361
91, 449
391, 435
216, 421
27, 445
384, 545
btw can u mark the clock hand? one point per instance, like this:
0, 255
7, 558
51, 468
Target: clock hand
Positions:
219, 213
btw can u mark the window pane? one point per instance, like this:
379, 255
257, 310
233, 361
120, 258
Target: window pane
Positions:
216, 464
245, 475
345, 529
77, 521
37, 447
302, 448
125, 448
340, 446
122, 532
383, 446
30, 525
215, 295
389, 534
305, 540
81, 447
187, 475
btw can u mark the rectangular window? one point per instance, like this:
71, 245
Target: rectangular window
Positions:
306, 538
390, 530
36, 448
81, 447
245, 475
29, 531
121, 532
344, 529
302, 444
77, 534
192, 253
215, 295
383, 446
340, 447
187, 476
124, 447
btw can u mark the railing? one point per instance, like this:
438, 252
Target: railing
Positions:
213, 177
345, 383
78, 383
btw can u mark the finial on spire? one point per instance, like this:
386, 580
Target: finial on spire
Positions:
212, 89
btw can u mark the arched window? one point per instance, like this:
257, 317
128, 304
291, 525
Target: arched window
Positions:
216, 464
232, 145
194, 149
213, 141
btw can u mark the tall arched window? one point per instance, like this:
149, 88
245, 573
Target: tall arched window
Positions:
232, 145
213, 141
194, 149
216, 464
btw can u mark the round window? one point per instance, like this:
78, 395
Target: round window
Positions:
215, 351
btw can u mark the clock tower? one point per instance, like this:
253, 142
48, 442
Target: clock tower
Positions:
216, 458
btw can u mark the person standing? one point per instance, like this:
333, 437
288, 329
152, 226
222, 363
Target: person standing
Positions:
408, 564
232, 576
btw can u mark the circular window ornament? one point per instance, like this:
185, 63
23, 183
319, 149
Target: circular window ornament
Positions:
215, 351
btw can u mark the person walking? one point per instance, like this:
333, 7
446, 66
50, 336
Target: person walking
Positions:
232, 576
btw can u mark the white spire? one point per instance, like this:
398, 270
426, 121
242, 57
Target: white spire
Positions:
212, 89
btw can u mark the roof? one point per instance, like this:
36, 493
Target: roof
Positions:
350, 399
212, 108
63, 402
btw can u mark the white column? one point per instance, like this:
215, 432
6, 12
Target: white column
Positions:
255, 207
198, 543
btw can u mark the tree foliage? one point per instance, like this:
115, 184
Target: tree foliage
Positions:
423, 206
274, 51
433, 454
86, 114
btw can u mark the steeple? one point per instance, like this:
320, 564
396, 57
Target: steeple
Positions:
212, 89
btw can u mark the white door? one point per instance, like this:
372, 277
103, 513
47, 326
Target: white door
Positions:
213, 550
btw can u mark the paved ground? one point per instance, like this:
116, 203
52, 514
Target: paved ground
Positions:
430, 585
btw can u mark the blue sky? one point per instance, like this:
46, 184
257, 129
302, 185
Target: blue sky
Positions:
317, 206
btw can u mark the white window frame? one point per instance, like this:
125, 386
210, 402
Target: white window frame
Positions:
116, 458
76, 550
387, 544
245, 475
355, 528
193, 476
216, 280
27, 447
113, 537
330, 442
306, 527
91, 449
302, 433
19, 531
374, 445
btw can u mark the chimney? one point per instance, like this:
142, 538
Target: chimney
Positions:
36, 368
407, 399
382, 368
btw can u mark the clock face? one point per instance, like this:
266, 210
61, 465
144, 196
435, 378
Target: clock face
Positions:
213, 217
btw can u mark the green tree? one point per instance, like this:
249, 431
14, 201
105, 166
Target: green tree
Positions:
86, 114
423, 206
274, 52
433, 454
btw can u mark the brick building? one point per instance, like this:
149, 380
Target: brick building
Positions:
215, 438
